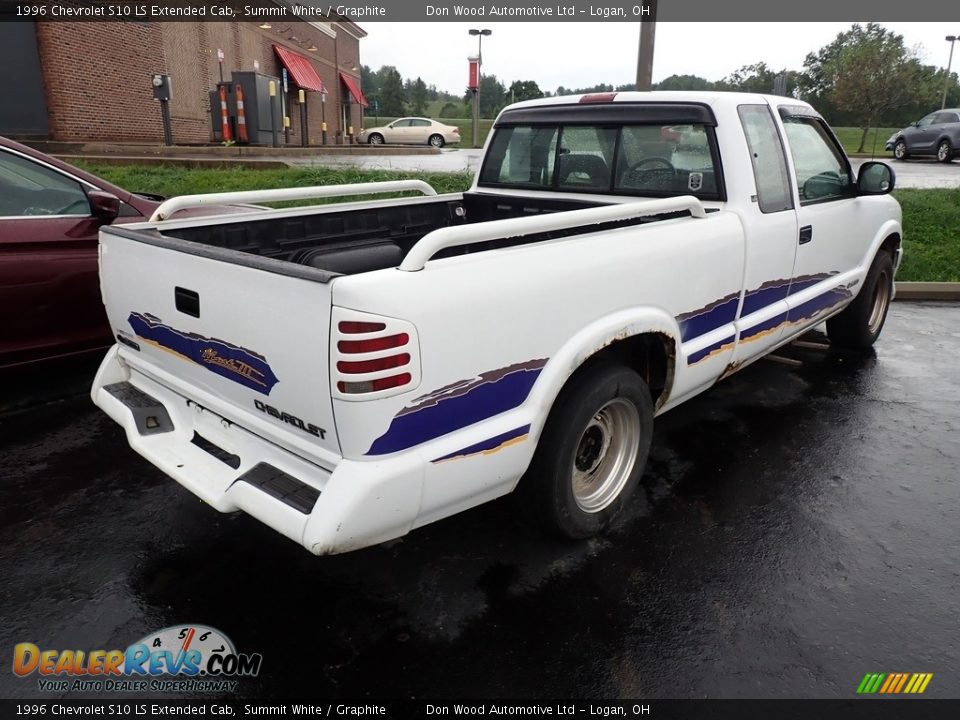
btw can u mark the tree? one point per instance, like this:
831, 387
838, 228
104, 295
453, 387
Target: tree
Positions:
865, 74
368, 80
758, 78
418, 97
492, 96
524, 90
684, 82
391, 91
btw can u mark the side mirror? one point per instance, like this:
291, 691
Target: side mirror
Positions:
875, 178
103, 206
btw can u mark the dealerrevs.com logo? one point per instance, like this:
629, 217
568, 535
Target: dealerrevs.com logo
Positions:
183, 658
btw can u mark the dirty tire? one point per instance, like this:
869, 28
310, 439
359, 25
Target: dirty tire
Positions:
592, 451
375, 139
900, 150
944, 151
859, 325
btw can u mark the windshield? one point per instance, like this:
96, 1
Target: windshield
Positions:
653, 160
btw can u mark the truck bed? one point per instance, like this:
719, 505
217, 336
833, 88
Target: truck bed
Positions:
380, 234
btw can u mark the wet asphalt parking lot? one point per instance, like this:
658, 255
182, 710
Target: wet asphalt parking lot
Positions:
797, 528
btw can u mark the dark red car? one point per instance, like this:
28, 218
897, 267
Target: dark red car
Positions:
50, 213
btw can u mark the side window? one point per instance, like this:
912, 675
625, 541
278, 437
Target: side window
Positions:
769, 162
401, 124
419, 123
521, 156
821, 169
944, 117
927, 121
29, 188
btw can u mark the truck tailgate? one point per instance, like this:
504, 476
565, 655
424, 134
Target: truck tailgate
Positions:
253, 340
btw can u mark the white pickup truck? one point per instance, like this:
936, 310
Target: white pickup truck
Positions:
348, 372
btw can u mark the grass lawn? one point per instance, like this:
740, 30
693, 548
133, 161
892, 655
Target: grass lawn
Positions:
849, 137
169, 180
931, 218
931, 235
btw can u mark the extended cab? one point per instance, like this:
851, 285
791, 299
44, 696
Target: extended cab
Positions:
348, 372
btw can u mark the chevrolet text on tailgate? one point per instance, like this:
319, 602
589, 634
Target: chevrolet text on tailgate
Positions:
348, 372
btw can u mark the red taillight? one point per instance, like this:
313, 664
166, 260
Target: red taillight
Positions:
456, 131
369, 366
352, 328
355, 366
373, 344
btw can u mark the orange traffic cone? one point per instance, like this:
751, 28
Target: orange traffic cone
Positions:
224, 117
241, 118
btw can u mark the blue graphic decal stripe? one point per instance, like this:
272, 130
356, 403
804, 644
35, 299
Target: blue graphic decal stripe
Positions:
490, 445
764, 327
716, 314
766, 294
458, 405
218, 356
824, 301
696, 357
723, 311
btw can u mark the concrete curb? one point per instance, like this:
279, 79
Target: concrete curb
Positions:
53, 147
928, 291
188, 162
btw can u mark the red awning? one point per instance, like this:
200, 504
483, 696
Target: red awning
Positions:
354, 89
300, 69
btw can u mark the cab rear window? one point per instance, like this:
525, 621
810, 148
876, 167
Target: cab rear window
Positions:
650, 160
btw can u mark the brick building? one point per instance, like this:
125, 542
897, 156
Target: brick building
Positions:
92, 81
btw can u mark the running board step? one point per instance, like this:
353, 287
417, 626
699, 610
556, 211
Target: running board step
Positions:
148, 413
285, 488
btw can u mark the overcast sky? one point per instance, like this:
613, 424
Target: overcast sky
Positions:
583, 54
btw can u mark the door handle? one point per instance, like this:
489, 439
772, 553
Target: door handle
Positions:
806, 234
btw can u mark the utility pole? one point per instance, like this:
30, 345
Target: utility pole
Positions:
648, 29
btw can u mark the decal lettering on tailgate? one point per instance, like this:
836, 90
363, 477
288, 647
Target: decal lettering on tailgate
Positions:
219, 356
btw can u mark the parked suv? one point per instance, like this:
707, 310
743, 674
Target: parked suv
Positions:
937, 134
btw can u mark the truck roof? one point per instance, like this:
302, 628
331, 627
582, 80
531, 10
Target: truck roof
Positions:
711, 98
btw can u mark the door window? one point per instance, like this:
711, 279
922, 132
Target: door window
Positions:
821, 169
29, 188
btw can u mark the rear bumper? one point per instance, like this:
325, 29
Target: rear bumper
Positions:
354, 505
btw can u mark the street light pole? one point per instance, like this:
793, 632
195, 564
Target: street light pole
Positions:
946, 80
476, 94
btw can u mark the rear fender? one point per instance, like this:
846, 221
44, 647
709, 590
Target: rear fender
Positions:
591, 340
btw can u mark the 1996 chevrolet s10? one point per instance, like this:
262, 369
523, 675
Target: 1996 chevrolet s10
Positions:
348, 372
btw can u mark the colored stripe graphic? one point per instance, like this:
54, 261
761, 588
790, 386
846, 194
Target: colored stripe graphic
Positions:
894, 683
459, 405
489, 446
710, 350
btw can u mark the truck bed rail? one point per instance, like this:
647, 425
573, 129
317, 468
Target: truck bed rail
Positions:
169, 207
448, 237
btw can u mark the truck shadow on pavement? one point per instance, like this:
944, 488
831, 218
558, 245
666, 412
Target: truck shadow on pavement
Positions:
517, 609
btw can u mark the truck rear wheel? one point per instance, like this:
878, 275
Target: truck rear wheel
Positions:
860, 323
592, 452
